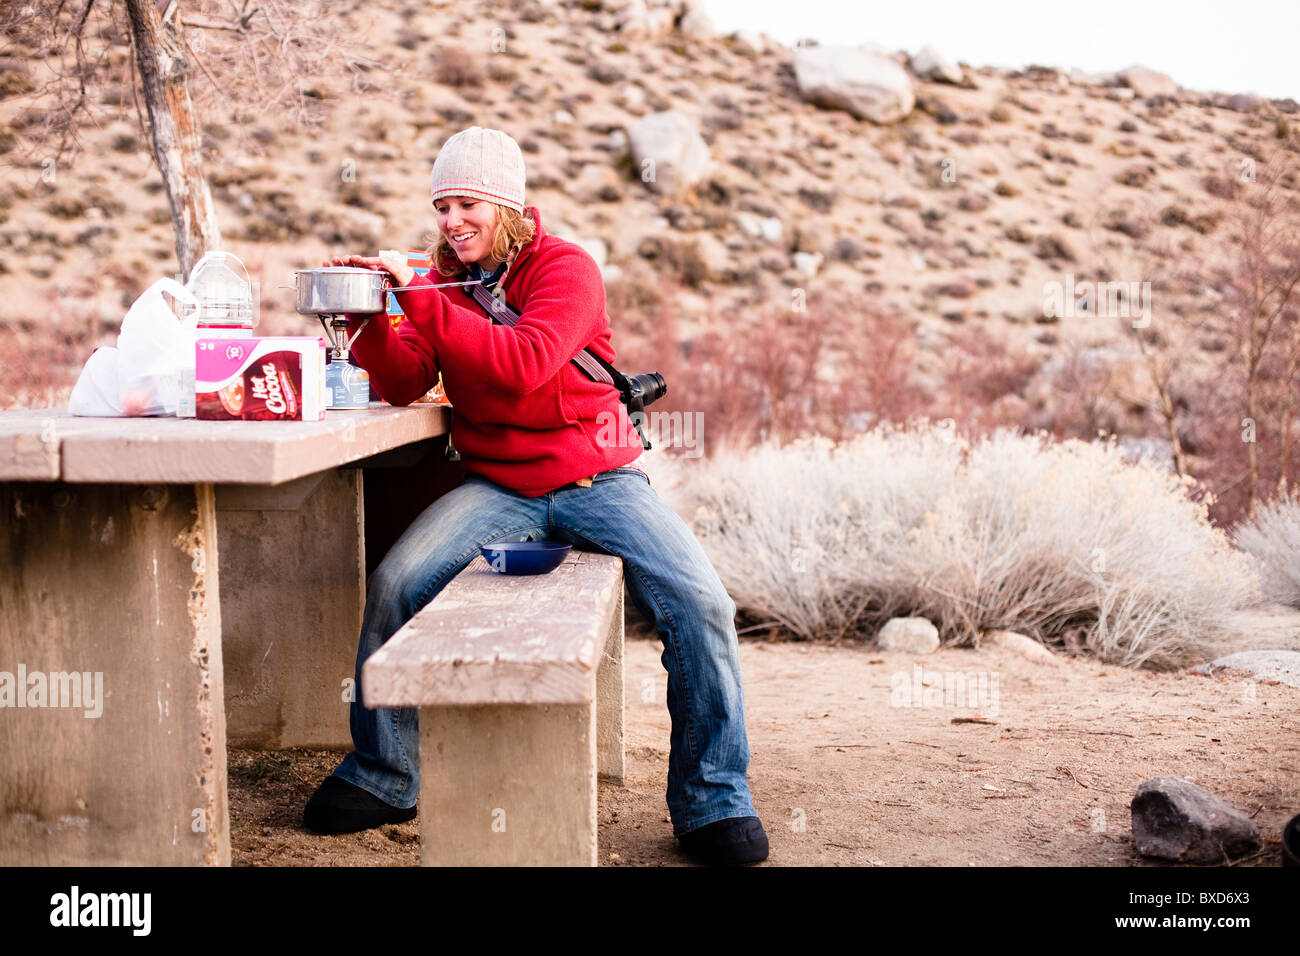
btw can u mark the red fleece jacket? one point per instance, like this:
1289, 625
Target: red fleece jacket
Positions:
524, 416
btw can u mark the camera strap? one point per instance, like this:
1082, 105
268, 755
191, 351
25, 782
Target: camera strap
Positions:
591, 364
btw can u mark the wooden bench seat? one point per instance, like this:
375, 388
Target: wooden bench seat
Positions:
519, 682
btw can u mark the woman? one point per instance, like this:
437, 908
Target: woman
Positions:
533, 434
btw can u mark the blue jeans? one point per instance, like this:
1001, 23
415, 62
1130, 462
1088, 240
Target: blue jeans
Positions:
669, 578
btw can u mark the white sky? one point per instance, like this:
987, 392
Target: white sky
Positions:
1246, 46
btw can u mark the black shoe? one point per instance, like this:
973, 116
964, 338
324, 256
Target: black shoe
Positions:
732, 842
341, 807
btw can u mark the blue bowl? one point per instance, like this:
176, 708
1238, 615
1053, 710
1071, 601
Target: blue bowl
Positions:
525, 557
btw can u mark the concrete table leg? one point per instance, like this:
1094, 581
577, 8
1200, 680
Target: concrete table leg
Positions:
609, 703
112, 729
511, 785
293, 592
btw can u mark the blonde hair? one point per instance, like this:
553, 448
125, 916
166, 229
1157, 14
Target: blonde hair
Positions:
514, 230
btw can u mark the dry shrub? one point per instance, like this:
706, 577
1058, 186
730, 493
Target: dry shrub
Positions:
459, 68
1061, 541
980, 370
830, 369
1273, 537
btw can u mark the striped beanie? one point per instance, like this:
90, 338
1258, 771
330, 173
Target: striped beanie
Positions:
484, 163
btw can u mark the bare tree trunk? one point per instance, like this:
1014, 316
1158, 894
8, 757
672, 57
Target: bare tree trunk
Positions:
1171, 428
1287, 416
1252, 459
175, 134
1160, 379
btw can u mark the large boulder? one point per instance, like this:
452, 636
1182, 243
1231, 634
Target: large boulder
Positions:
1146, 82
696, 25
1244, 102
862, 81
930, 64
634, 18
750, 42
668, 151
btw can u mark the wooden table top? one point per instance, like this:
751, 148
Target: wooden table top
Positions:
51, 445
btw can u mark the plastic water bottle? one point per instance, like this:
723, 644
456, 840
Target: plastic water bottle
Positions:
226, 309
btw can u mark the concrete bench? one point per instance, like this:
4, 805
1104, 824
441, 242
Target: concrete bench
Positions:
519, 682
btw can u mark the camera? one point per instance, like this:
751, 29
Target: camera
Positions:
641, 390
638, 391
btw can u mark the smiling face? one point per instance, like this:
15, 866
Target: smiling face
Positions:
469, 225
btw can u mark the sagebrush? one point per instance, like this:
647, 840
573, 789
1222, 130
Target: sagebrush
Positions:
1272, 536
1063, 541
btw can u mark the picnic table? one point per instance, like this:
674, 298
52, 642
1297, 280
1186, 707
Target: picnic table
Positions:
169, 585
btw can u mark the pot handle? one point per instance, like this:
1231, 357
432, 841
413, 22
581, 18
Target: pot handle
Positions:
442, 285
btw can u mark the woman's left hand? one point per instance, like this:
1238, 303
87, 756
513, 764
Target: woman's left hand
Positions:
395, 266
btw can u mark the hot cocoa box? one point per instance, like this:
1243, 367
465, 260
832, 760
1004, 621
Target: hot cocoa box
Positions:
272, 378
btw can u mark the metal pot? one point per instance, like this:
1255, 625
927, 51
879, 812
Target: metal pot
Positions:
338, 289
334, 290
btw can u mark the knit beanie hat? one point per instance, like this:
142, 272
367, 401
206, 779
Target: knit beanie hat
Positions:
484, 163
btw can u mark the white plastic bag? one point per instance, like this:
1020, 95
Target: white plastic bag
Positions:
144, 374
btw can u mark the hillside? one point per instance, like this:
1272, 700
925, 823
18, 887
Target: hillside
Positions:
950, 221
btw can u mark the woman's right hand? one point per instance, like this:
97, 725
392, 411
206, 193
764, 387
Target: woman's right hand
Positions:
401, 273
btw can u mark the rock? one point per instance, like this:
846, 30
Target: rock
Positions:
1245, 102
867, 84
1121, 93
630, 18
768, 228
1020, 644
596, 182
749, 42
930, 64
1084, 78
808, 263
561, 117
1281, 666
748, 224
631, 95
605, 73
660, 21
915, 635
668, 151
636, 18
1146, 83
1174, 819
696, 25
714, 254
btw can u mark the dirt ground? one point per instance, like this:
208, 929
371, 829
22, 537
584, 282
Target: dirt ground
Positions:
854, 763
